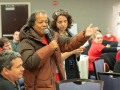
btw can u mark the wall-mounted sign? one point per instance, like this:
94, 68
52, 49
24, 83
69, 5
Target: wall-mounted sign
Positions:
55, 3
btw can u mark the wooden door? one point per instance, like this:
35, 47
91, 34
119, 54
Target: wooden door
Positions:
13, 18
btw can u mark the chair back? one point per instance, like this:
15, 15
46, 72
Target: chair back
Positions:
98, 65
110, 59
86, 84
111, 80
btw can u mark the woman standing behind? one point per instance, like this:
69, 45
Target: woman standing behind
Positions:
62, 22
97, 49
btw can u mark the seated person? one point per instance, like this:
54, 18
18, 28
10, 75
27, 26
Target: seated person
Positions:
1, 45
116, 63
117, 67
104, 42
110, 59
118, 56
109, 36
5, 44
11, 70
15, 42
97, 49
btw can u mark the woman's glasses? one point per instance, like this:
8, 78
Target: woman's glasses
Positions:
60, 12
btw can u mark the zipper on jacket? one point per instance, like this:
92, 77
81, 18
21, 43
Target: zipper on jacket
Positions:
53, 72
50, 61
51, 81
35, 82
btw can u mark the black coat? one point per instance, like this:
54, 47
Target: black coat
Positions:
71, 67
117, 67
7, 85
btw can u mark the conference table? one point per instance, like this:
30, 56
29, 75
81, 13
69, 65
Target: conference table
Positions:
83, 66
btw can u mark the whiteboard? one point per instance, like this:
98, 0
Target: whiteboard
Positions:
74, 29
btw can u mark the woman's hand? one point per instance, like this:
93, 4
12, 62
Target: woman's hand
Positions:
90, 31
78, 51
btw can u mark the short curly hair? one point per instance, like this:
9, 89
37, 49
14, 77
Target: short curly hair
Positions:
55, 16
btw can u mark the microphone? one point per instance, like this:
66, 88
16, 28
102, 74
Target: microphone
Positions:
46, 31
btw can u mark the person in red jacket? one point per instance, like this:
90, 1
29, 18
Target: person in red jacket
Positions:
97, 49
109, 36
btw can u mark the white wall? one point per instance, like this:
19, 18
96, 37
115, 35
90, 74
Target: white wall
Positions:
84, 12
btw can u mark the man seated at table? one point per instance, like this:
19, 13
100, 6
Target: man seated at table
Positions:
11, 70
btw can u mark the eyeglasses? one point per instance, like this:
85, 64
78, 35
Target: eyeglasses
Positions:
60, 12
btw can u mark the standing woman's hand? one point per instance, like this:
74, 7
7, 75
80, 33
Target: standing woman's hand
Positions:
53, 44
90, 31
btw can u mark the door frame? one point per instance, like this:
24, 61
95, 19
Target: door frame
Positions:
15, 3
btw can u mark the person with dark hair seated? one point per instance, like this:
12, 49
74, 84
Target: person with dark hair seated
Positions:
110, 59
117, 67
15, 42
97, 49
117, 63
118, 56
5, 44
1, 45
11, 70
